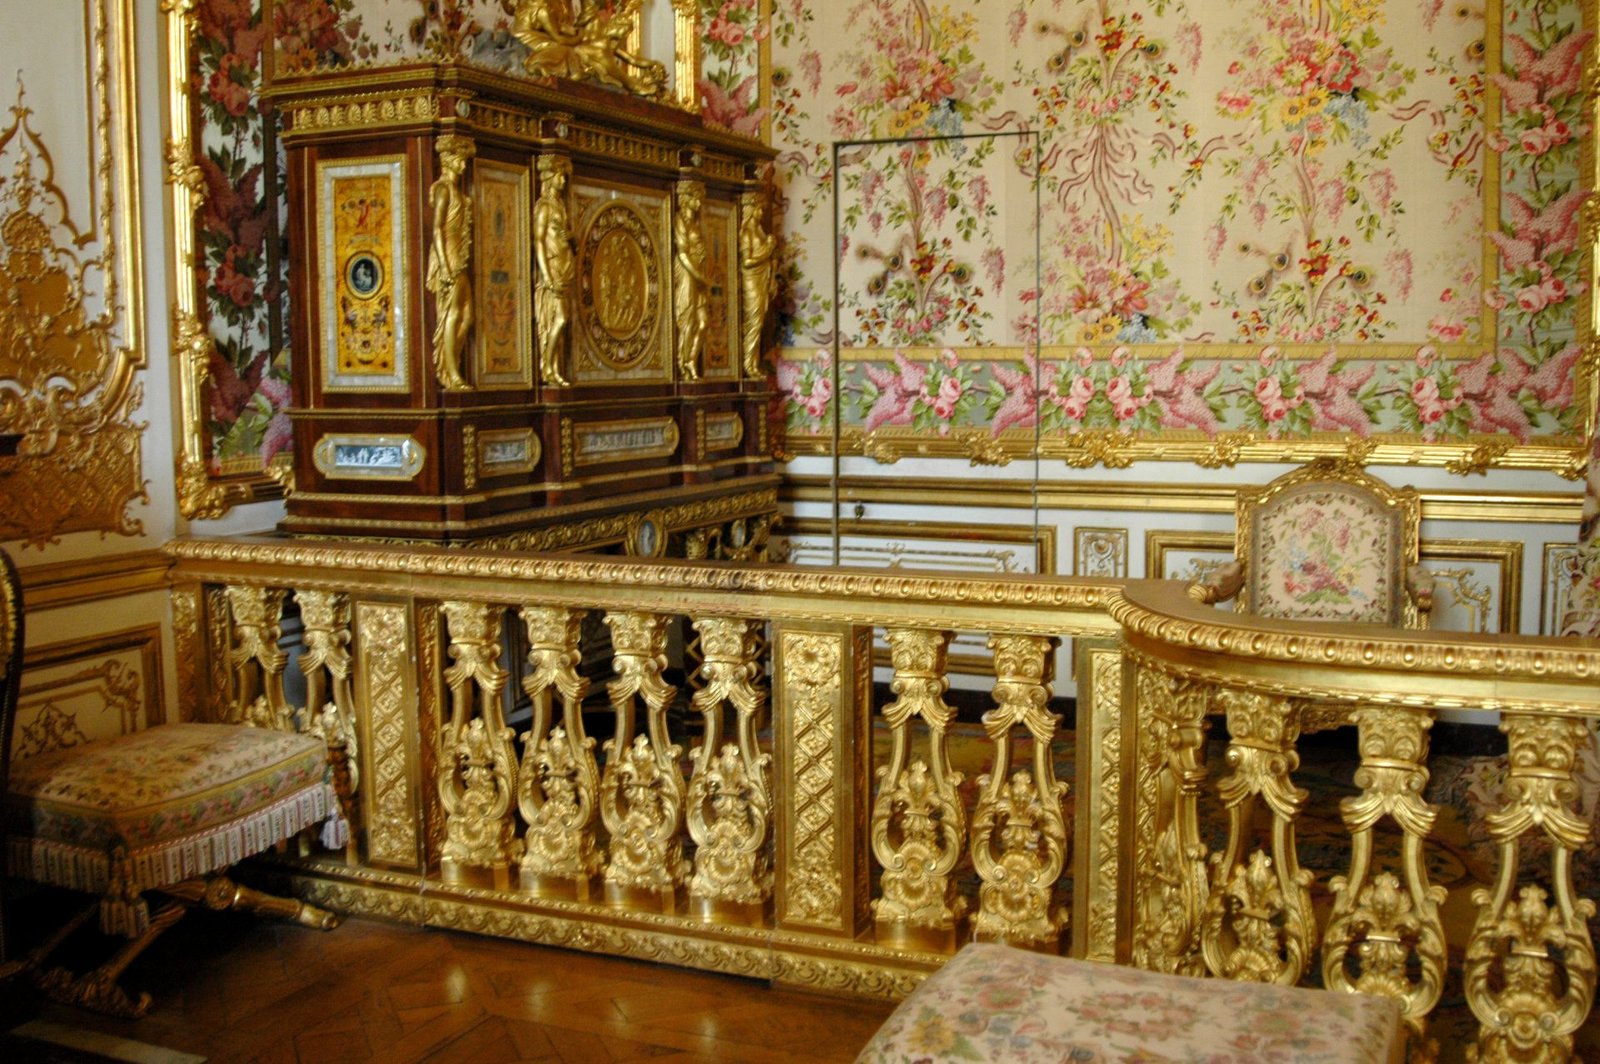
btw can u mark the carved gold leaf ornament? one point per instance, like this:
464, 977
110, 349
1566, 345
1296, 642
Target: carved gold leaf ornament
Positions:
477, 767
589, 43
68, 385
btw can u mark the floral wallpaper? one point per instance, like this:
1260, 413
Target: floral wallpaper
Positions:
1287, 218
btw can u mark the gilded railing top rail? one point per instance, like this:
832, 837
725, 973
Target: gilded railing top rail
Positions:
1000, 603
1358, 662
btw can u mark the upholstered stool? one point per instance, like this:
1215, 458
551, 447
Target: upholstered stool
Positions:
994, 1003
157, 810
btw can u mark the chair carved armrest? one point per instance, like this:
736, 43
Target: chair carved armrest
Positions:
1419, 585
1223, 585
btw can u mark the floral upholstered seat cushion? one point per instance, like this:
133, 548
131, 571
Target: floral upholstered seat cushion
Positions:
158, 806
1326, 553
994, 1003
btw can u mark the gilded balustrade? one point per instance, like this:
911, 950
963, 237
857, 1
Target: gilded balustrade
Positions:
1246, 912
762, 843
730, 821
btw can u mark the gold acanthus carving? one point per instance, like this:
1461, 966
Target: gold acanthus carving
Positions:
690, 282
393, 811
880, 974
189, 646
1170, 884
1019, 836
556, 258
477, 766
330, 711
1145, 614
256, 661
642, 791
1529, 972
919, 826
72, 384
1384, 928
814, 879
730, 792
758, 251
365, 111
590, 42
315, 559
559, 785
1258, 923
1083, 450
1101, 928
449, 256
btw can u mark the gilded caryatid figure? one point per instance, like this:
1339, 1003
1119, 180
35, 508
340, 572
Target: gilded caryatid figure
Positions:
589, 42
689, 281
448, 257
557, 266
757, 273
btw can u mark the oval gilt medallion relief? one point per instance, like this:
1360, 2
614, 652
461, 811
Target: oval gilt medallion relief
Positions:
619, 286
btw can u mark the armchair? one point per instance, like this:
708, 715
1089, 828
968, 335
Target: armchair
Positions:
1327, 542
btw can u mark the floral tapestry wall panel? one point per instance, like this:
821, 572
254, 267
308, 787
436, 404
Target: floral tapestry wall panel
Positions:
929, 231
1289, 219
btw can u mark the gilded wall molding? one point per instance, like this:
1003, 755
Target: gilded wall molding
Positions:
203, 492
72, 306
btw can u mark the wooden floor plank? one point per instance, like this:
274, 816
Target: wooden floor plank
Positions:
232, 988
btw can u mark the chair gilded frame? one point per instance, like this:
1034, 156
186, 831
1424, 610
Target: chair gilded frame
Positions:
1327, 542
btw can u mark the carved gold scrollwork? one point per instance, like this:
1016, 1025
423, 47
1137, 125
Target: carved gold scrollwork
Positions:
642, 791
1529, 972
1389, 932
730, 793
559, 785
918, 824
330, 710
477, 765
1258, 924
71, 383
1019, 836
256, 660
1169, 899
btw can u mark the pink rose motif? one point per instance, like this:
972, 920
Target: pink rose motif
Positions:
949, 390
943, 409
1430, 413
237, 287
816, 406
728, 33
1443, 329
822, 388
1275, 410
1119, 390
948, 356
1268, 390
229, 85
1426, 354
1425, 391
1081, 390
1074, 408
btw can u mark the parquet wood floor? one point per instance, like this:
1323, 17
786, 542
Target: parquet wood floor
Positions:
232, 988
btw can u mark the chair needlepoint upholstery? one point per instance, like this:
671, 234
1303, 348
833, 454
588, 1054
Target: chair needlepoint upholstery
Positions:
993, 1003
154, 811
1327, 542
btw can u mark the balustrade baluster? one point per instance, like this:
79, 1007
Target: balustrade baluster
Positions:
477, 764
330, 704
1170, 877
256, 659
729, 808
1258, 924
1530, 967
919, 827
1378, 925
642, 791
559, 783
1019, 835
